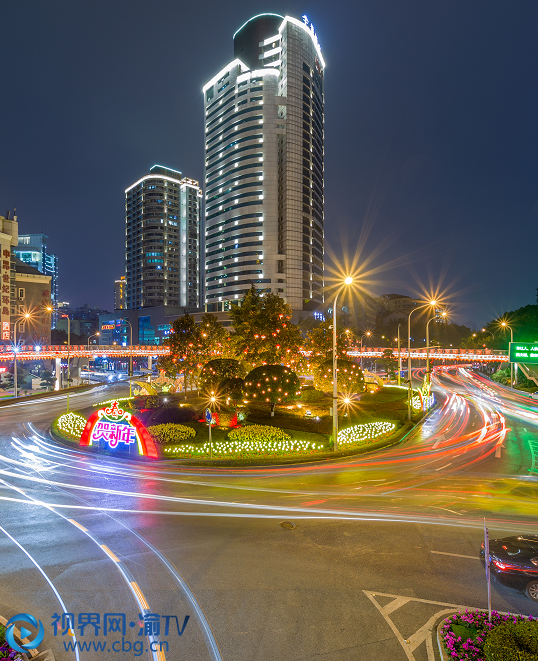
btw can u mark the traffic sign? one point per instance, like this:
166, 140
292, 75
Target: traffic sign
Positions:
523, 352
208, 416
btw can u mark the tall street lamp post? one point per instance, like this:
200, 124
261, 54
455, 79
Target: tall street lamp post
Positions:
66, 316
348, 281
130, 357
94, 335
367, 334
409, 388
24, 318
505, 325
399, 358
428, 373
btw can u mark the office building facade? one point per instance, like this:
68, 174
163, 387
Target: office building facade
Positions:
120, 293
264, 151
162, 240
32, 250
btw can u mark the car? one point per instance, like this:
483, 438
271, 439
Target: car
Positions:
514, 563
534, 395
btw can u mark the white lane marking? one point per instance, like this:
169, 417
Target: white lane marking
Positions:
445, 466
40, 569
456, 555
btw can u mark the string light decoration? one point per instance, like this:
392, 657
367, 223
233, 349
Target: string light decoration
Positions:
350, 376
272, 384
116, 399
366, 433
246, 449
71, 425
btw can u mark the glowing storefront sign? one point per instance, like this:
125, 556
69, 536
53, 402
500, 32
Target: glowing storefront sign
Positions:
115, 426
108, 327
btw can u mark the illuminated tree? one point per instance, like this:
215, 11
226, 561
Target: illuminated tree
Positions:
350, 377
389, 362
264, 334
185, 342
319, 342
272, 384
216, 341
216, 372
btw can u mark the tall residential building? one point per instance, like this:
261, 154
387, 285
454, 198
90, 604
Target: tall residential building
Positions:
162, 240
120, 293
32, 249
264, 115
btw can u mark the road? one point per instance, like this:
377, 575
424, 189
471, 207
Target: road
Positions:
382, 544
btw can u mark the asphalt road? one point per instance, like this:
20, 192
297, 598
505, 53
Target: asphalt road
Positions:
383, 543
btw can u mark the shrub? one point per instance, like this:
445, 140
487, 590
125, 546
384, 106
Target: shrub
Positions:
259, 433
311, 395
217, 371
464, 635
272, 384
350, 377
224, 419
512, 641
71, 425
170, 433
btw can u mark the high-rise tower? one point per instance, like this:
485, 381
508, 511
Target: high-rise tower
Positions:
162, 240
264, 115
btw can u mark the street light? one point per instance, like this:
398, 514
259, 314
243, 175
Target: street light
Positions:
485, 330
66, 316
94, 335
348, 281
505, 325
24, 318
443, 314
367, 334
130, 356
409, 389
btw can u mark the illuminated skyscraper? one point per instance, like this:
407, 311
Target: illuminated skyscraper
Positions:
264, 115
162, 240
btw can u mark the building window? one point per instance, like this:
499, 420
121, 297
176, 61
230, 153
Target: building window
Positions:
21, 293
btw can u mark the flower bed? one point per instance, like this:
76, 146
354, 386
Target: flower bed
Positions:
246, 449
257, 433
465, 636
366, 433
71, 425
7, 652
171, 433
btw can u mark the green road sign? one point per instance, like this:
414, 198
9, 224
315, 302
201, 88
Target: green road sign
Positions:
523, 352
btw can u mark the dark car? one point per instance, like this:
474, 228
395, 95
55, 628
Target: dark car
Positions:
514, 562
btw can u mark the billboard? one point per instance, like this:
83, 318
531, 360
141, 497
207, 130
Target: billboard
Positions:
523, 352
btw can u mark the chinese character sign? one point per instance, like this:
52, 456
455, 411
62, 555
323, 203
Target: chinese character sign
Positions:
118, 428
5, 311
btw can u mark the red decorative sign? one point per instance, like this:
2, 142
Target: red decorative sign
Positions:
114, 426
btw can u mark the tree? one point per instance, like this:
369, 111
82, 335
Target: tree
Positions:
185, 350
233, 388
217, 371
264, 334
389, 362
216, 341
272, 384
319, 342
350, 376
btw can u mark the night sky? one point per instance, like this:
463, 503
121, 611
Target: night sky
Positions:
431, 142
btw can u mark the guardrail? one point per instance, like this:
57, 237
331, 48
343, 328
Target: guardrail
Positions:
50, 352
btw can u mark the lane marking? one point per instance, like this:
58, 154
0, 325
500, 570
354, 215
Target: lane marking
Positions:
139, 595
109, 553
456, 555
445, 466
78, 525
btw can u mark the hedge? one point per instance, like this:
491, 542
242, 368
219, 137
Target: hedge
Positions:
264, 433
170, 433
512, 641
